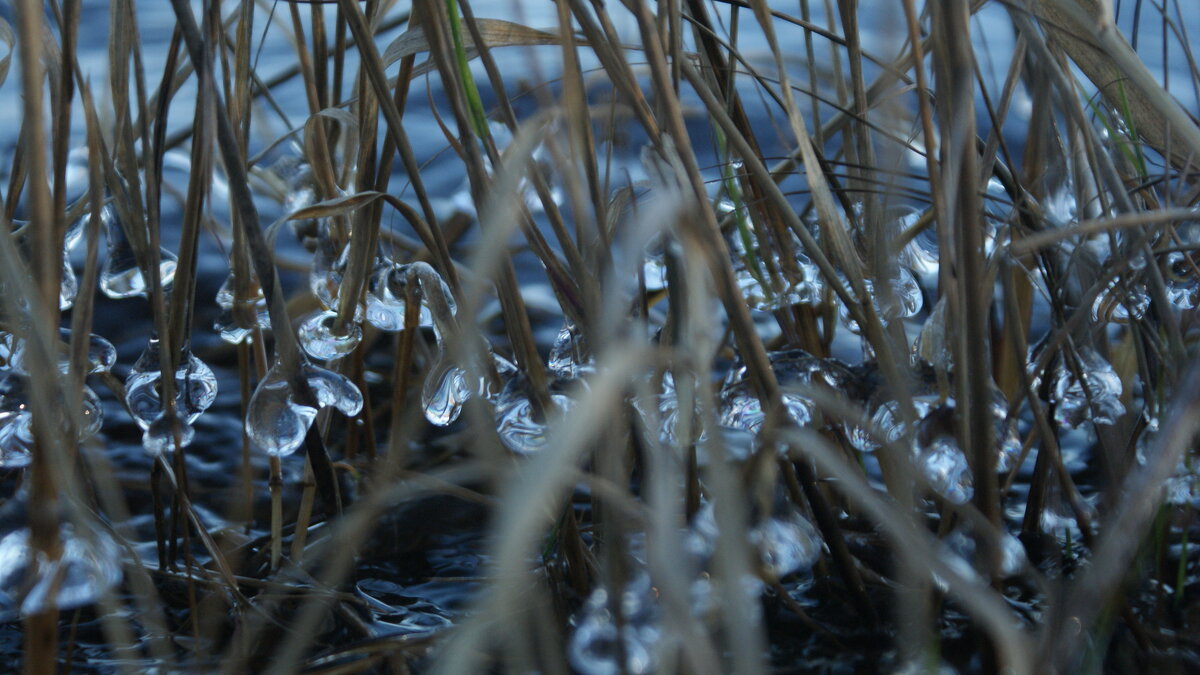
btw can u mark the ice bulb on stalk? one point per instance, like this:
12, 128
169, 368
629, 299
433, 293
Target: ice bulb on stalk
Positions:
88, 566
521, 427
320, 338
16, 420
101, 354
570, 357
388, 290
195, 390
276, 423
448, 387
238, 319
1099, 400
120, 277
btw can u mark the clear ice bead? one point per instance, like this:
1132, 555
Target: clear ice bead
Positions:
159, 436
520, 427
101, 354
1183, 286
594, 649
448, 387
786, 544
1120, 304
570, 357
120, 276
195, 390
16, 439
944, 465
906, 300
797, 372
238, 320
1072, 406
805, 289
88, 568
386, 298
16, 420
277, 424
1183, 486
445, 392
321, 341
68, 287
328, 273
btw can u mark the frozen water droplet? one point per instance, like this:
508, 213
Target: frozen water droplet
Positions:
1071, 396
522, 428
300, 193
387, 292
386, 299
446, 390
767, 294
797, 371
933, 342
1120, 303
570, 357
1183, 487
16, 420
120, 276
274, 422
661, 410
91, 413
101, 355
89, 567
16, 434
1183, 285
238, 319
69, 285
321, 340
195, 390
1059, 204
654, 270
945, 467
787, 544
328, 268
921, 253
594, 649
8, 343
332, 389
958, 548
16, 440
277, 424
159, 436
1007, 440
328, 272
741, 409
905, 300
701, 538
448, 386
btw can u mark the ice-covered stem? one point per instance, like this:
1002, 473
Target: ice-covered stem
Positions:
176, 351
512, 304
431, 289
373, 68
364, 223
287, 346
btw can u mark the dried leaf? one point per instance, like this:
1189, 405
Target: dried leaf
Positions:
495, 32
338, 206
341, 115
6, 35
